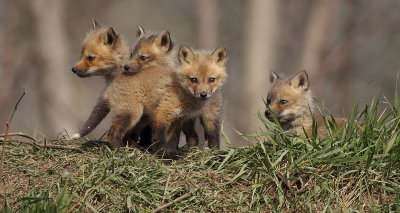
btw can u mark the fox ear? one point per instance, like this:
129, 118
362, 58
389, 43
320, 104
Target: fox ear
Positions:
95, 24
140, 31
273, 77
300, 81
163, 41
219, 56
111, 36
185, 55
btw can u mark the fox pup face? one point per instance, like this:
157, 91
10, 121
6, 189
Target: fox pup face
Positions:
288, 99
202, 73
150, 50
102, 51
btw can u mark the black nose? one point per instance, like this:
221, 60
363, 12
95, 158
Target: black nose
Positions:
127, 67
267, 114
203, 94
74, 69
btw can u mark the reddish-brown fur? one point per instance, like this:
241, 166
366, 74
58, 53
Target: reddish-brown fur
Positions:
291, 102
147, 54
108, 53
103, 53
165, 95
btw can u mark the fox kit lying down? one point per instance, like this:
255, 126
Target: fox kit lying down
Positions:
291, 102
145, 55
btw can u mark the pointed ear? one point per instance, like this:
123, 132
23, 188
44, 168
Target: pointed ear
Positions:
300, 81
219, 56
273, 77
111, 36
95, 24
185, 55
140, 31
163, 41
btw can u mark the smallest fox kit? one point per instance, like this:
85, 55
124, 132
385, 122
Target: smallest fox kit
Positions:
291, 103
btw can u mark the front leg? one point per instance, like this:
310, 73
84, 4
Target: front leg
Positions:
171, 150
99, 112
211, 120
118, 130
212, 128
188, 128
163, 131
159, 135
122, 123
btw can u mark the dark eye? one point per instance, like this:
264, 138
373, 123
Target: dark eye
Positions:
131, 56
90, 58
268, 101
143, 58
193, 80
282, 102
211, 80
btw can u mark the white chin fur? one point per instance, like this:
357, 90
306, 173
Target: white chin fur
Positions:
76, 135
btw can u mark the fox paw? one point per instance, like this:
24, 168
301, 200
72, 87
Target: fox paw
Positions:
173, 155
75, 136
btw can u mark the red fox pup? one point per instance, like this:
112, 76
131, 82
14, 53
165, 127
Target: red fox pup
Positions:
207, 78
198, 77
103, 54
146, 54
135, 97
162, 94
291, 103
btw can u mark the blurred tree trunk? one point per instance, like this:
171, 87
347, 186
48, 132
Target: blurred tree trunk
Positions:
55, 88
317, 35
261, 30
6, 76
207, 23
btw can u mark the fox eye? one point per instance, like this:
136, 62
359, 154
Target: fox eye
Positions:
282, 102
90, 58
131, 56
211, 79
268, 101
143, 58
193, 80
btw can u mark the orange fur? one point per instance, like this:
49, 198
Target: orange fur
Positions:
291, 103
103, 53
157, 50
164, 95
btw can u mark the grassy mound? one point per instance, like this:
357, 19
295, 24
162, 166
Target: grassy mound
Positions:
356, 169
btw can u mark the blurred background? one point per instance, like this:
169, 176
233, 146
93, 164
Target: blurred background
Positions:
350, 48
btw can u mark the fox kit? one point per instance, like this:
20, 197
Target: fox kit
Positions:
103, 54
146, 55
199, 76
160, 93
291, 103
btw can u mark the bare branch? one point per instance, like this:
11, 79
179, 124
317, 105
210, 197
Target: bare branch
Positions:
184, 196
8, 124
